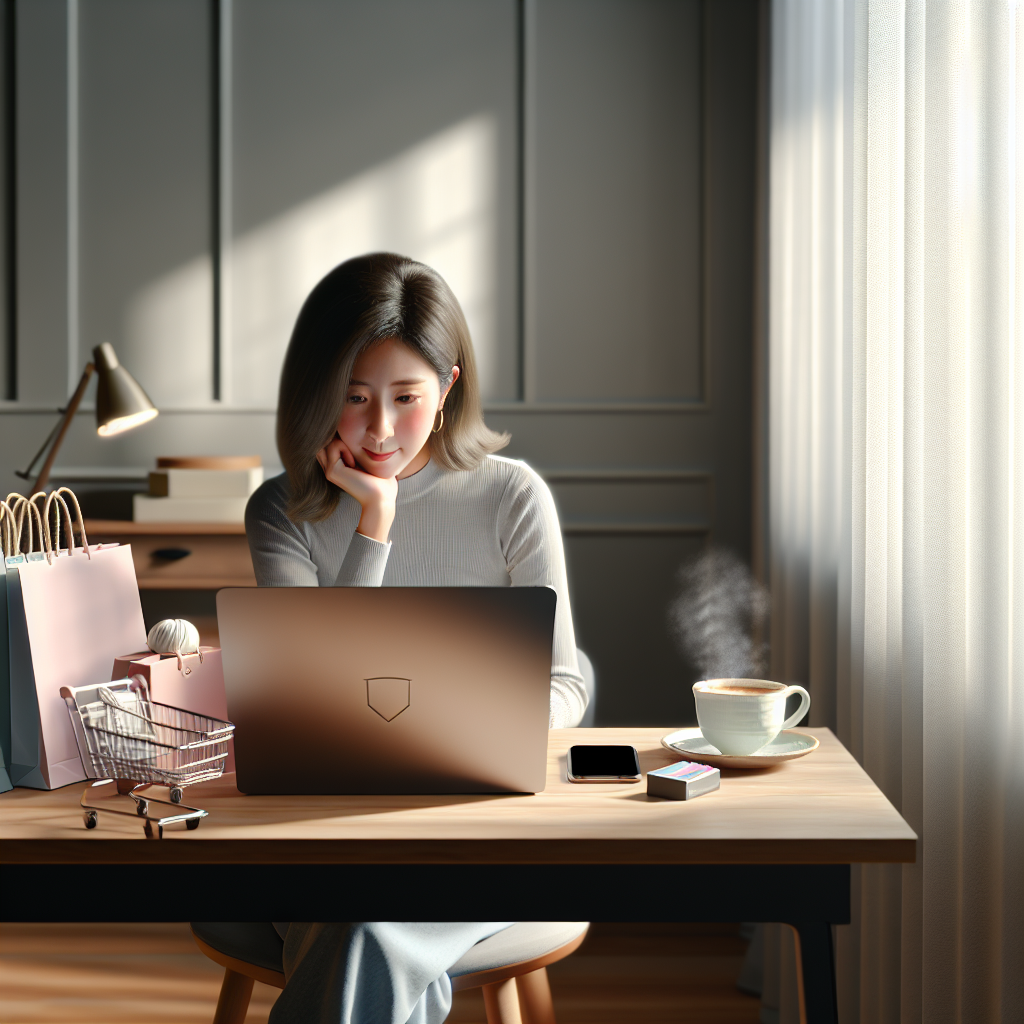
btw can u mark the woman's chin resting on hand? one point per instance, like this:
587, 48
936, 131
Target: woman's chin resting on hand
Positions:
394, 398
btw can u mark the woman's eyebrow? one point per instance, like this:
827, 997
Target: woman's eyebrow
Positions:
406, 383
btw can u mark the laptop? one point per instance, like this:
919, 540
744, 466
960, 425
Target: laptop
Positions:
388, 689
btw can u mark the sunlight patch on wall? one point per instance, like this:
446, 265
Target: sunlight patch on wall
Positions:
434, 202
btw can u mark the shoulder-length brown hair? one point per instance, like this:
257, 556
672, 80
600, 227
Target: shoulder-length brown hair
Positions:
361, 302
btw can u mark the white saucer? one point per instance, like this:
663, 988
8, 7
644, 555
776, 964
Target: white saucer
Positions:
691, 746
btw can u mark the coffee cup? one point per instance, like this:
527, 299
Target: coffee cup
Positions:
740, 716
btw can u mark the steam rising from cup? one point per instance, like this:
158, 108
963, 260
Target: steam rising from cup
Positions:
720, 617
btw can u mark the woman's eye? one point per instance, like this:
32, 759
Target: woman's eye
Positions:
405, 399
356, 399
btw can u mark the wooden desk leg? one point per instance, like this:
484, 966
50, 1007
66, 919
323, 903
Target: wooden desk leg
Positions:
816, 972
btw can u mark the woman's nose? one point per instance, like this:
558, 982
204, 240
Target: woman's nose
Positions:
380, 427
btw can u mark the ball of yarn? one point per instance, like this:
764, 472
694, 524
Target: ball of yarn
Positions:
173, 636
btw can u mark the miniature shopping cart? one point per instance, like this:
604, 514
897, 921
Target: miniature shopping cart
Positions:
128, 739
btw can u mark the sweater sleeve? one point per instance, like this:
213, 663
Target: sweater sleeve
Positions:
364, 564
531, 541
280, 549
280, 552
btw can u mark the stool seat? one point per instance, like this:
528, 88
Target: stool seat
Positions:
522, 942
254, 952
254, 943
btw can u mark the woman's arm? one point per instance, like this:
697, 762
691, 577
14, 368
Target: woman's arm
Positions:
367, 554
280, 553
280, 549
531, 542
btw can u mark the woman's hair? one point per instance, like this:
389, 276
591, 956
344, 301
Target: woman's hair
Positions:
360, 303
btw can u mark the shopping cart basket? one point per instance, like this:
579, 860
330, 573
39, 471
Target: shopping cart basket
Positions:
126, 738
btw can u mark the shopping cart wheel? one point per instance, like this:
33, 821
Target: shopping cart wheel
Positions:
176, 795
90, 819
142, 808
192, 824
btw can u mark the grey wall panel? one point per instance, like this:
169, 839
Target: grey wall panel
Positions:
634, 503
42, 183
613, 202
364, 125
145, 183
731, 59
621, 587
7, 338
640, 164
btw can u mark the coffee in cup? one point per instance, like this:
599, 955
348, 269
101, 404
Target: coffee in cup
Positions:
740, 716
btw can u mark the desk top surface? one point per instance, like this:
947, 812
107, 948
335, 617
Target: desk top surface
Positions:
822, 808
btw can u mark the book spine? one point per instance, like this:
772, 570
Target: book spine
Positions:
204, 483
188, 510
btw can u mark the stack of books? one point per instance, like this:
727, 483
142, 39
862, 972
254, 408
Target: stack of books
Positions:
199, 489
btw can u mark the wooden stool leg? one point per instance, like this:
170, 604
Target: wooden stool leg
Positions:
233, 1004
501, 1001
535, 997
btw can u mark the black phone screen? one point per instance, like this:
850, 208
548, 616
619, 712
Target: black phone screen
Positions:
603, 760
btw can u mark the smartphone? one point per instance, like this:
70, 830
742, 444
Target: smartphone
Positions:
595, 763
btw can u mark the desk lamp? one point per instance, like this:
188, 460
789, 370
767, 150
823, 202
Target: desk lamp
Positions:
121, 404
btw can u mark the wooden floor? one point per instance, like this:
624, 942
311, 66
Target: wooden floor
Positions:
153, 973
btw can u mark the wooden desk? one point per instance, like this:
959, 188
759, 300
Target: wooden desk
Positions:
219, 553
774, 845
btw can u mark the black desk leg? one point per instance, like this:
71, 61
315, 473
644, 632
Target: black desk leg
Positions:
817, 971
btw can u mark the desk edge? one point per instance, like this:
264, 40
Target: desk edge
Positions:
181, 848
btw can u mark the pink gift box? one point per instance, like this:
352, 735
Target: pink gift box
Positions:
198, 686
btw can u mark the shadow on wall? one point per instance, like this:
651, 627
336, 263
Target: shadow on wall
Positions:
436, 202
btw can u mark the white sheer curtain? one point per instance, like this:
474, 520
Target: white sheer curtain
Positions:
896, 488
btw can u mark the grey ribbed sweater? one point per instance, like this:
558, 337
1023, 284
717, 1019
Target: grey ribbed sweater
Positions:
494, 526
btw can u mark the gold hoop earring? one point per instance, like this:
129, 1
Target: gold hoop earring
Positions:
437, 429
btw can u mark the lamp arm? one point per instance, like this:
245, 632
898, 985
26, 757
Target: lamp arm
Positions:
26, 473
73, 404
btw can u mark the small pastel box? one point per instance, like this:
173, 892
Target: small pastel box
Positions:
683, 780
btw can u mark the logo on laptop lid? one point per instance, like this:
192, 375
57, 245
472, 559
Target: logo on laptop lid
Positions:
388, 695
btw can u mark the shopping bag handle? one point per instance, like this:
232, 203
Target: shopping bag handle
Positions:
56, 500
26, 508
8, 530
55, 496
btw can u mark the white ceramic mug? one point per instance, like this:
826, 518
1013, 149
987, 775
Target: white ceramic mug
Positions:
740, 716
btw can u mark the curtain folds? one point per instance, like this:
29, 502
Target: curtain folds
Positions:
896, 478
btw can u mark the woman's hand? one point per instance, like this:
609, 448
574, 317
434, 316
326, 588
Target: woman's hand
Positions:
376, 495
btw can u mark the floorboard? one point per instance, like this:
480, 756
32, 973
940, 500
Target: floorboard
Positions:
153, 973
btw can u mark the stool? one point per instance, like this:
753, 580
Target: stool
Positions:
510, 966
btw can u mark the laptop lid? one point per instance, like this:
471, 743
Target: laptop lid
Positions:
388, 689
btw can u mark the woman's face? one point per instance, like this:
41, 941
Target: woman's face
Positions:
390, 408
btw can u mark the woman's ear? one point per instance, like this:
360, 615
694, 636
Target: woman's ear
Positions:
455, 376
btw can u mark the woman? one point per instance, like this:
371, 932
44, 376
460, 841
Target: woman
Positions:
391, 480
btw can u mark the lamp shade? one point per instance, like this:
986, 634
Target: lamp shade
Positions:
120, 401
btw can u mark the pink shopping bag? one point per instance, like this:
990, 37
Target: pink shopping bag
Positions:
187, 683
70, 614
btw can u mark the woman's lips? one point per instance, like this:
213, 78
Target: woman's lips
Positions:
379, 456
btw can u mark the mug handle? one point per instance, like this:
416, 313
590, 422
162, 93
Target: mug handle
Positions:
805, 703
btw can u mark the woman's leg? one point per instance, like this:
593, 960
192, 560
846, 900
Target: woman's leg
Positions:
381, 972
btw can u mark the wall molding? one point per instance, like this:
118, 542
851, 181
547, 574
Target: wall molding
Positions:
501, 408
577, 529
497, 408
630, 476
89, 409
